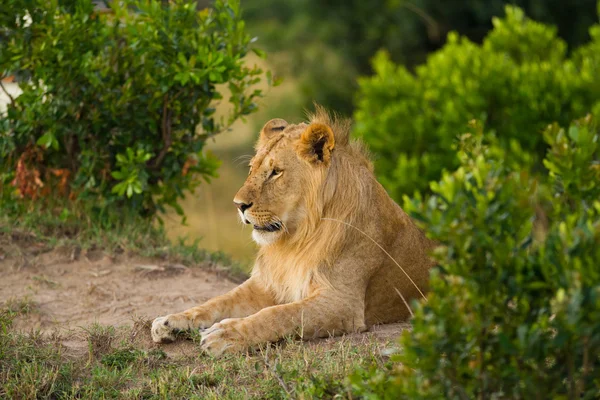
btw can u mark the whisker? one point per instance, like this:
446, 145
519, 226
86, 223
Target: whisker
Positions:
244, 158
378, 245
283, 226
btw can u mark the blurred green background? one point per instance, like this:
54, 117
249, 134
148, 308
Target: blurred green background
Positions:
321, 49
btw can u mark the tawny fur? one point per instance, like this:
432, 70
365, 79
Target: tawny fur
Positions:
315, 276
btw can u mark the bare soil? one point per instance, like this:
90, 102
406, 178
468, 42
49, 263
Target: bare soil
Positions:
98, 288
68, 290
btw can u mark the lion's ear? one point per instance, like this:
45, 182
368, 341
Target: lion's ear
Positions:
272, 127
316, 143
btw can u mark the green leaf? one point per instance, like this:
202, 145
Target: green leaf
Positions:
119, 188
47, 140
117, 175
277, 81
574, 133
262, 54
269, 77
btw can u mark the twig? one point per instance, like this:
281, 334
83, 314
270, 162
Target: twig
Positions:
571, 376
432, 26
586, 367
279, 379
149, 268
12, 99
166, 133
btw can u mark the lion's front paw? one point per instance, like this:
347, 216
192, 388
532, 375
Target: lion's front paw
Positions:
223, 337
165, 329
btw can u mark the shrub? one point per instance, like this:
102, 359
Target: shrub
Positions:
116, 107
519, 80
335, 51
514, 307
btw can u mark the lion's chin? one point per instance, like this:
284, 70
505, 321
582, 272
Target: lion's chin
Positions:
265, 238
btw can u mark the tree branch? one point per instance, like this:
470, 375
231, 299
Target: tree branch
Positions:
12, 99
166, 134
433, 29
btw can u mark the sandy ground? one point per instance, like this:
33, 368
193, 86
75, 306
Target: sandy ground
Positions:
68, 293
69, 290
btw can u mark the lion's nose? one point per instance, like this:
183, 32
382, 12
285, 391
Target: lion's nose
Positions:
242, 206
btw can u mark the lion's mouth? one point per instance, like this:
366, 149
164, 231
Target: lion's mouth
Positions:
271, 227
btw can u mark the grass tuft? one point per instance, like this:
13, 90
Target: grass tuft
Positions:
19, 306
122, 364
100, 339
121, 358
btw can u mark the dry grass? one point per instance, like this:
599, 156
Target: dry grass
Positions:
105, 362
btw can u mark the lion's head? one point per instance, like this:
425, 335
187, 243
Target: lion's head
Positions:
293, 175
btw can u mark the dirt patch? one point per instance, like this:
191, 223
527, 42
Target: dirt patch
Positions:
67, 291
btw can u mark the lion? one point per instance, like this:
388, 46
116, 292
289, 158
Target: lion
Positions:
336, 253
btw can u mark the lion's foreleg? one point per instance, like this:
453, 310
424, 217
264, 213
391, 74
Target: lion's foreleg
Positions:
246, 299
322, 314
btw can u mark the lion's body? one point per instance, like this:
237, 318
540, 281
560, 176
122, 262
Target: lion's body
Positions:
336, 251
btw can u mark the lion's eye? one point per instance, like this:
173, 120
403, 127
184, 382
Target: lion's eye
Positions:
275, 173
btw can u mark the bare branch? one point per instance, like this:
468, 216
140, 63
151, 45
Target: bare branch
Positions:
433, 29
166, 134
12, 99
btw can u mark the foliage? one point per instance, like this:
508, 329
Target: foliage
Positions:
375, 383
514, 307
326, 44
519, 80
116, 107
334, 50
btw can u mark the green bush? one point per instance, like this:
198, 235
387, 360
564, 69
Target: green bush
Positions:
116, 107
514, 307
339, 37
519, 80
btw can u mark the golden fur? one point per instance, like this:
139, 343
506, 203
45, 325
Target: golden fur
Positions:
317, 209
